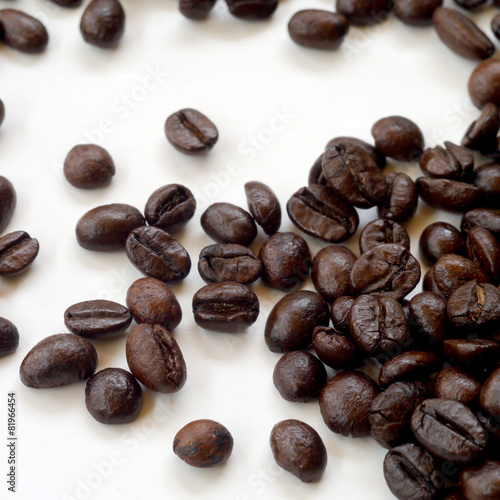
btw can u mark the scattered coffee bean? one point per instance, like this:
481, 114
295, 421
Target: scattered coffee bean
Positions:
336, 349
196, 10
264, 206
451, 162
484, 83
8, 201
103, 23
252, 9
438, 239
415, 12
488, 398
401, 201
17, 252
488, 179
453, 383
472, 355
364, 12
370, 150
381, 231
429, 322
9, 337
482, 133
487, 218
481, 482
22, 32
340, 313
484, 250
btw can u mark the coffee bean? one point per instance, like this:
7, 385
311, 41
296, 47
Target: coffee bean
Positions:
488, 398
321, 212
196, 10
170, 207
155, 359
252, 9
470, 4
228, 307
415, 12
291, 322
316, 175
264, 206
488, 179
107, 227
495, 26
451, 162
452, 494
484, 250
203, 443
152, 301
191, 132
484, 83
113, 396
487, 218
336, 349
401, 201
438, 239
481, 482
482, 133
97, 319
286, 261
58, 360
453, 383
299, 449
472, 355
8, 201
67, 3
340, 312
490, 424
318, 29
17, 252
22, 32
157, 254
370, 150
89, 166
429, 283
381, 231
103, 23
9, 337
2, 111
364, 12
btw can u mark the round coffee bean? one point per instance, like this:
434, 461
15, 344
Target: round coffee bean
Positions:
382, 231
22, 32
370, 150
481, 482
103, 23
472, 355
340, 312
89, 166
17, 252
450, 162
252, 9
487, 218
484, 83
336, 349
8, 201
264, 206
488, 179
9, 337
438, 239
415, 12
488, 398
429, 322
196, 10
364, 12
482, 133
401, 201
453, 383
484, 250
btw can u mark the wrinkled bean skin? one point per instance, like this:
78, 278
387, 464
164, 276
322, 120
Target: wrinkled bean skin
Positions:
450, 162
481, 482
8, 201
336, 349
438, 239
17, 252
484, 250
264, 206
364, 12
429, 322
415, 12
196, 10
22, 32
401, 201
453, 383
103, 23
252, 9
382, 231
487, 218
370, 150
340, 312
484, 83
9, 337
88, 166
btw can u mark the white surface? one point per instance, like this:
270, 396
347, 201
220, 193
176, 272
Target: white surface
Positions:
244, 76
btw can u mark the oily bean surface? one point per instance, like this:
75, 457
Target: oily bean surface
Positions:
340, 312
453, 383
438, 239
484, 83
370, 150
472, 355
482, 133
364, 12
252, 10
488, 179
484, 250
336, 349
488, 397
485, 217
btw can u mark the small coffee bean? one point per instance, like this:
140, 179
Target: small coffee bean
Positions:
484, 250
415, 12
113, 396
17, 252
484, 83
9, 337
453, 383
336, 349
488, 179
8, 201
472, 355
299, 449
252, 9
316, 175
429, 322
364, 12
58, 360
370, 150
487, 218
340, 312
228, 307
203, 443
482, 133
103, 23
451, 162
401, 201
438, 239
481, 482
89, 166
191, 132
264, 206
155, 359
196, 10
488, 397
22, 32
381, 231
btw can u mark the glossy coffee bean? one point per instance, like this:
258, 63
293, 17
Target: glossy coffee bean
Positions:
299, 449
264, 206
22, 32
484, 250
429, 322
472, 355
8, 201
89, 166
453, 383
113, 396
196, 9
401, 201
481, 482
380, 232
17, 252
252, 9
316, 175
58, 360
191, 132
450, 162
97, 319
488, 397
107, 227
484, 83
9, 337
487, 218
155, 359
488, 179
336, 349
291, 322
228, 307
370, 150
203, 443
103, 23
340, 312
482, 133
364, 12
415, 12
438, 239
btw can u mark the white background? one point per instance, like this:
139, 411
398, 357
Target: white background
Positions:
242, 75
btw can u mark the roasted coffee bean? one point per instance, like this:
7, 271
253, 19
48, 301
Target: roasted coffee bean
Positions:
318, 29
89, 166
340, 312
331, 271
398, 138
381, 231
484, 250
22, 32
8, 201
316, 175
461, 34
2, 112
429, 283
495, 26
58, 360
152, 301
345, 403
336, 349
449, 430
9, 337
484, 83
472, 355
492, 425
299, 449
170, 207
299, 376
354, 175
401, 201
451, 162
429, 322
103, 23
470, 4
482, 133
291, 322
113, 396
487, 218
370, 150
453, 383
203, 443
388, 268
228, 307
252, 9
107, 227
391, 412
155, 359
157, 254
488, 179
229, 263
364, 12
97, 319
17, 252
488, 398
321, 212
227, 223
264, 206
438, 239
415, 12
67, 3
191, 132
410, 366
452, 494
196, 9
286, 261
411, 473
481, 482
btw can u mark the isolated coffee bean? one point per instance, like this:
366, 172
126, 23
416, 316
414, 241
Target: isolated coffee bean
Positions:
340, 312
451, 162
475, 355
481, 482
364, 12
336, 349
113, 396
191, 132
58, 360
264, 206
484, 83
484, 250
8, 201
453, 383
89, 166
401, 201
488, 179
370, 150
17, 252
155, 359
9, 337
299, 449
438, 239
415, 12
316, 175
488, 398
487, 218
380, 232
252, 9
482, 133
103, 23
196, 9
22, 32
429, 322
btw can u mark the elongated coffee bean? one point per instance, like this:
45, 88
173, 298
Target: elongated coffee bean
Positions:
264, 206
22, 32
103, 23
401, 201
17, 251
484, 250
415, 12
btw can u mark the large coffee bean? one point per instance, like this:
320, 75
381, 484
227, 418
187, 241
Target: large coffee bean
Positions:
487, 218
488, 398
17, 252
103, 23
475, 355
429, 322
380, 232
340, 312
482, 133
488, 179
22, 32
453, 383
8, 201
264, 206
438, 239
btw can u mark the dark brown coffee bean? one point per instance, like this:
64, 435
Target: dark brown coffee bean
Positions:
67, 3
488, 179
22, 32
252, 9
364, 12
318, 29
9, 337
487, 218
229, 263
203, 443
152, 301
429, 283
398, 138
472, 355
454, 162
228, 307
452, 494
103, 23
484, 83
196, 9
453, 383
157, 254
401, 201
155, 359
470, 4
299, 449
97, 319
381, 231
2, 111
316, 175
415, 12
291, 322
191, 132
340, 312
17, 252
345, 403
58, 360
370, 150
286, 261
170, 207
482, 133
8, 201
299, 376
495, 26
107, 227
481, 482
438, 239
336, 349
264, 206
113, 396
484, 250
488, 398
89, 166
